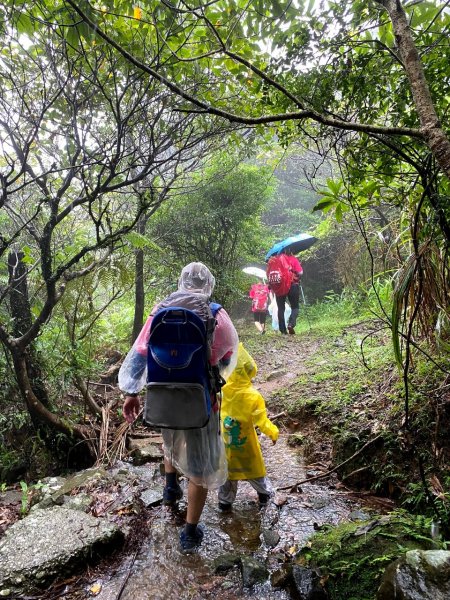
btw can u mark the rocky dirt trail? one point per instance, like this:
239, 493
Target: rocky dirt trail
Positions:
246, 553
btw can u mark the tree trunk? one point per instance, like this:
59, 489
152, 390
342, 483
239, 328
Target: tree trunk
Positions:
434, 134
139, 293
80, 384
26, 366
38, 412
21, 314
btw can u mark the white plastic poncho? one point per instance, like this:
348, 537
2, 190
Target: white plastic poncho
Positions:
197, 453
273, 312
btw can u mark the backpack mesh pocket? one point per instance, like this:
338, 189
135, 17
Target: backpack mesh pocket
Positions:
176, 405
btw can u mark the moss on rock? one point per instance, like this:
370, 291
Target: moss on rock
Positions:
353, 556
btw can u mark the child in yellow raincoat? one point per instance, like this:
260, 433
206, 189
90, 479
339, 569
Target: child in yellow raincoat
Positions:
243, 409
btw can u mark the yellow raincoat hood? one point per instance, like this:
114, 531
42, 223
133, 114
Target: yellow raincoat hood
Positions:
245, 369
243, 409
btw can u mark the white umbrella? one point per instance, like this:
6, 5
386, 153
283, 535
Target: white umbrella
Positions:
256, 271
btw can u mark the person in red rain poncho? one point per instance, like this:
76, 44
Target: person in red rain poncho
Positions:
259, 293
293, 296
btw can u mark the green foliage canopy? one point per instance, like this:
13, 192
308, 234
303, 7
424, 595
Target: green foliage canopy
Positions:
219, 220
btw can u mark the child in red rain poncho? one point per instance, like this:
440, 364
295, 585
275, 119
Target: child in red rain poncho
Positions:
259, 293
243, 409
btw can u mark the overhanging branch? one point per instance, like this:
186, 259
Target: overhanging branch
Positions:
236, 118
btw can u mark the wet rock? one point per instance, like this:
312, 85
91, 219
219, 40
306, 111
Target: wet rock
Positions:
318, 503
419, 575
280, 499
308, 584
225, 562
276, 374
270, 516
281, 577
42, 494
152, 496
271, 537
253, 571
10, 497
83, 478
55, 488
139, 474
79, 502
358, 515
138, 442
50, 543
145, 450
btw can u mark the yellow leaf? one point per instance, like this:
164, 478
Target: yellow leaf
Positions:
137, 12
96, 588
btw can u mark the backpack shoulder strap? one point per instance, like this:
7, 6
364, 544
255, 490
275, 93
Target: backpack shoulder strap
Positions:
215, 307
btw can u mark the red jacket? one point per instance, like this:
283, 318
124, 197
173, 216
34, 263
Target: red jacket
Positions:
296, 267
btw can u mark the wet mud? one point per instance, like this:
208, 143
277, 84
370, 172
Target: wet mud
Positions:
271, 536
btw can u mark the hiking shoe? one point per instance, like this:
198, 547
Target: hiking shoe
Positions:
191, 543
291, 330
171, 495
263, 499
224, 506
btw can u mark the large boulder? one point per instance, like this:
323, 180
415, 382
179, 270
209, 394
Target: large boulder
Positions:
253, 571
51, 543
418, 575
308, 584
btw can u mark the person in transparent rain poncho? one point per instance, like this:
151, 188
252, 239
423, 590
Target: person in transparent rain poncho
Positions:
198, 454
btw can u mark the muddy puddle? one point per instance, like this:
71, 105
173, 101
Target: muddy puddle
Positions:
237, 545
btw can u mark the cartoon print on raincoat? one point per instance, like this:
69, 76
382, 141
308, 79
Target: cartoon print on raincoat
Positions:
232, 432
242, 403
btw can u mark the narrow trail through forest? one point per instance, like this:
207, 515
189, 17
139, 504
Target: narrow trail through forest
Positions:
247, 552
271, 535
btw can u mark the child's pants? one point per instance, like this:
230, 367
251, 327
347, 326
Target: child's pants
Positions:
227, 491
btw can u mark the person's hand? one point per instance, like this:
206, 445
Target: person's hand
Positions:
131, 408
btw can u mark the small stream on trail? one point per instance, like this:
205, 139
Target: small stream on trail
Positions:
271, 536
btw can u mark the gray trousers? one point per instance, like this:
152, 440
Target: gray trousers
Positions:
227, 491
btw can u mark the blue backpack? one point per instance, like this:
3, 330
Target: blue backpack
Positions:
181, 383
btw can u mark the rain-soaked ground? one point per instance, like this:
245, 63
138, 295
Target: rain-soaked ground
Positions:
158, 570
272, 536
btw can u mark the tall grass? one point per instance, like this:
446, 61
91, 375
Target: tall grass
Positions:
331, 314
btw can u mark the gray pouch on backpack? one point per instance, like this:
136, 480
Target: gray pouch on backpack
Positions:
176, 406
